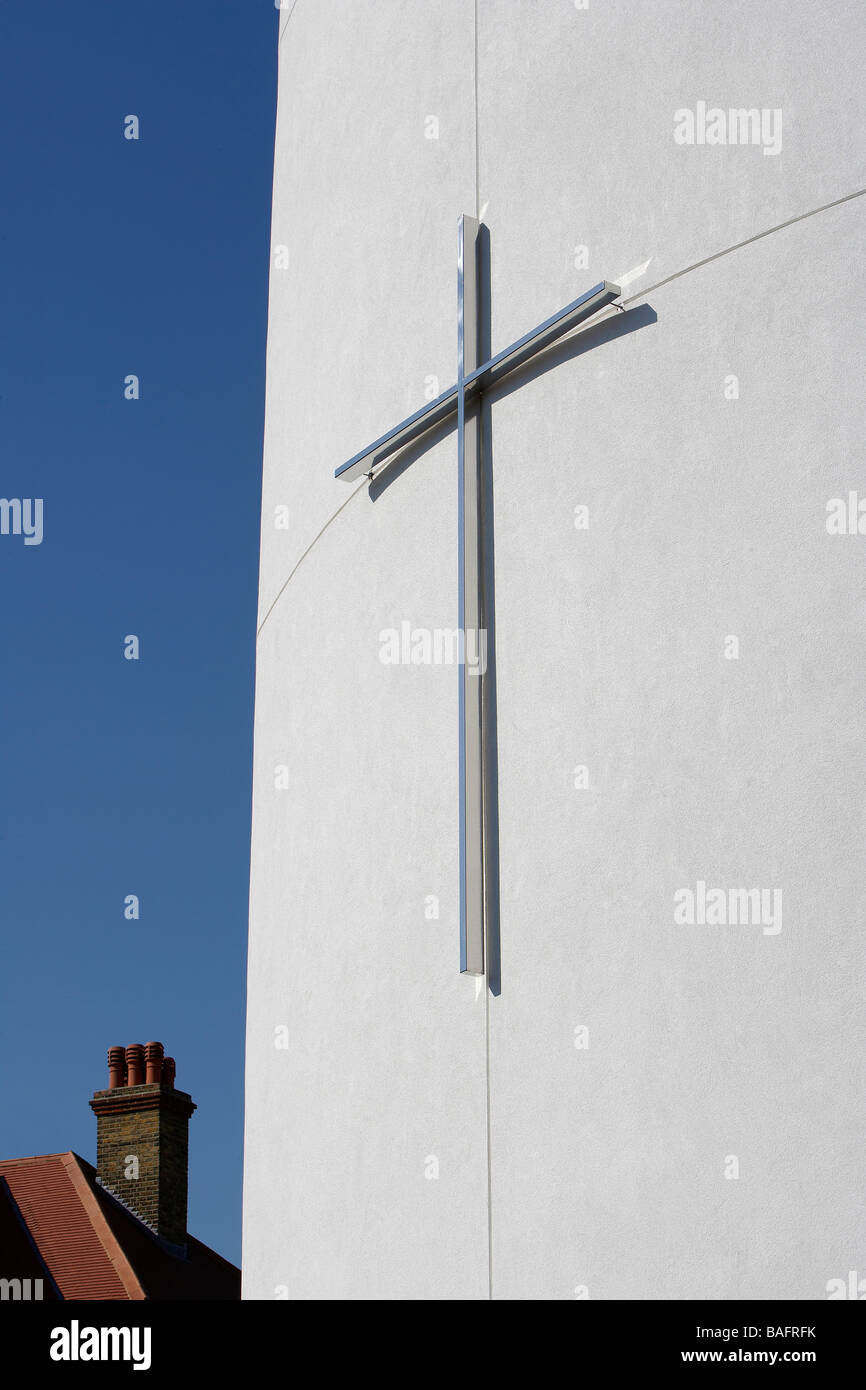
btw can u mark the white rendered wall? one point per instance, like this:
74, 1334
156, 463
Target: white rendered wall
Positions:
560, 1167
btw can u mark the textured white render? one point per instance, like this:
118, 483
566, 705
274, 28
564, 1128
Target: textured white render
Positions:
564, 1168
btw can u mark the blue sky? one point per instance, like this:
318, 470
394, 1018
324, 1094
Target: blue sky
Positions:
120, 777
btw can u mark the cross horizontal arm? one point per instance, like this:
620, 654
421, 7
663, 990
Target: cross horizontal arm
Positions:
543, 336
401, 435
483, 377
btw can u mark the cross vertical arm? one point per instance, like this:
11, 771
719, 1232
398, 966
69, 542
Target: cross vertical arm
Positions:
470, 609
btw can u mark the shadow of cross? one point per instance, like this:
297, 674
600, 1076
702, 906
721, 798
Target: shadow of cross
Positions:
474, 379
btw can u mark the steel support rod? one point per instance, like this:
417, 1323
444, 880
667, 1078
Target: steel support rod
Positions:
473, 639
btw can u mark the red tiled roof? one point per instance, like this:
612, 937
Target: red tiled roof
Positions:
20, 1258
68, 1228
95, 1249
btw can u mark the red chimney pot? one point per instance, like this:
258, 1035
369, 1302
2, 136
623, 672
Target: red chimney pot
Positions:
153, 1057
135, 1064
116, 1067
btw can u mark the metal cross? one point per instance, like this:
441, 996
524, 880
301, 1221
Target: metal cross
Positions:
473, 379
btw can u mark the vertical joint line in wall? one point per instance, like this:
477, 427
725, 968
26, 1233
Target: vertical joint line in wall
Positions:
475, 84
489, 1179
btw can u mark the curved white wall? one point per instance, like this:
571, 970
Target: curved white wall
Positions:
563, 1168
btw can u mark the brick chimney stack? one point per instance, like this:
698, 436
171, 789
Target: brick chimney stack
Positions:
142, 1133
